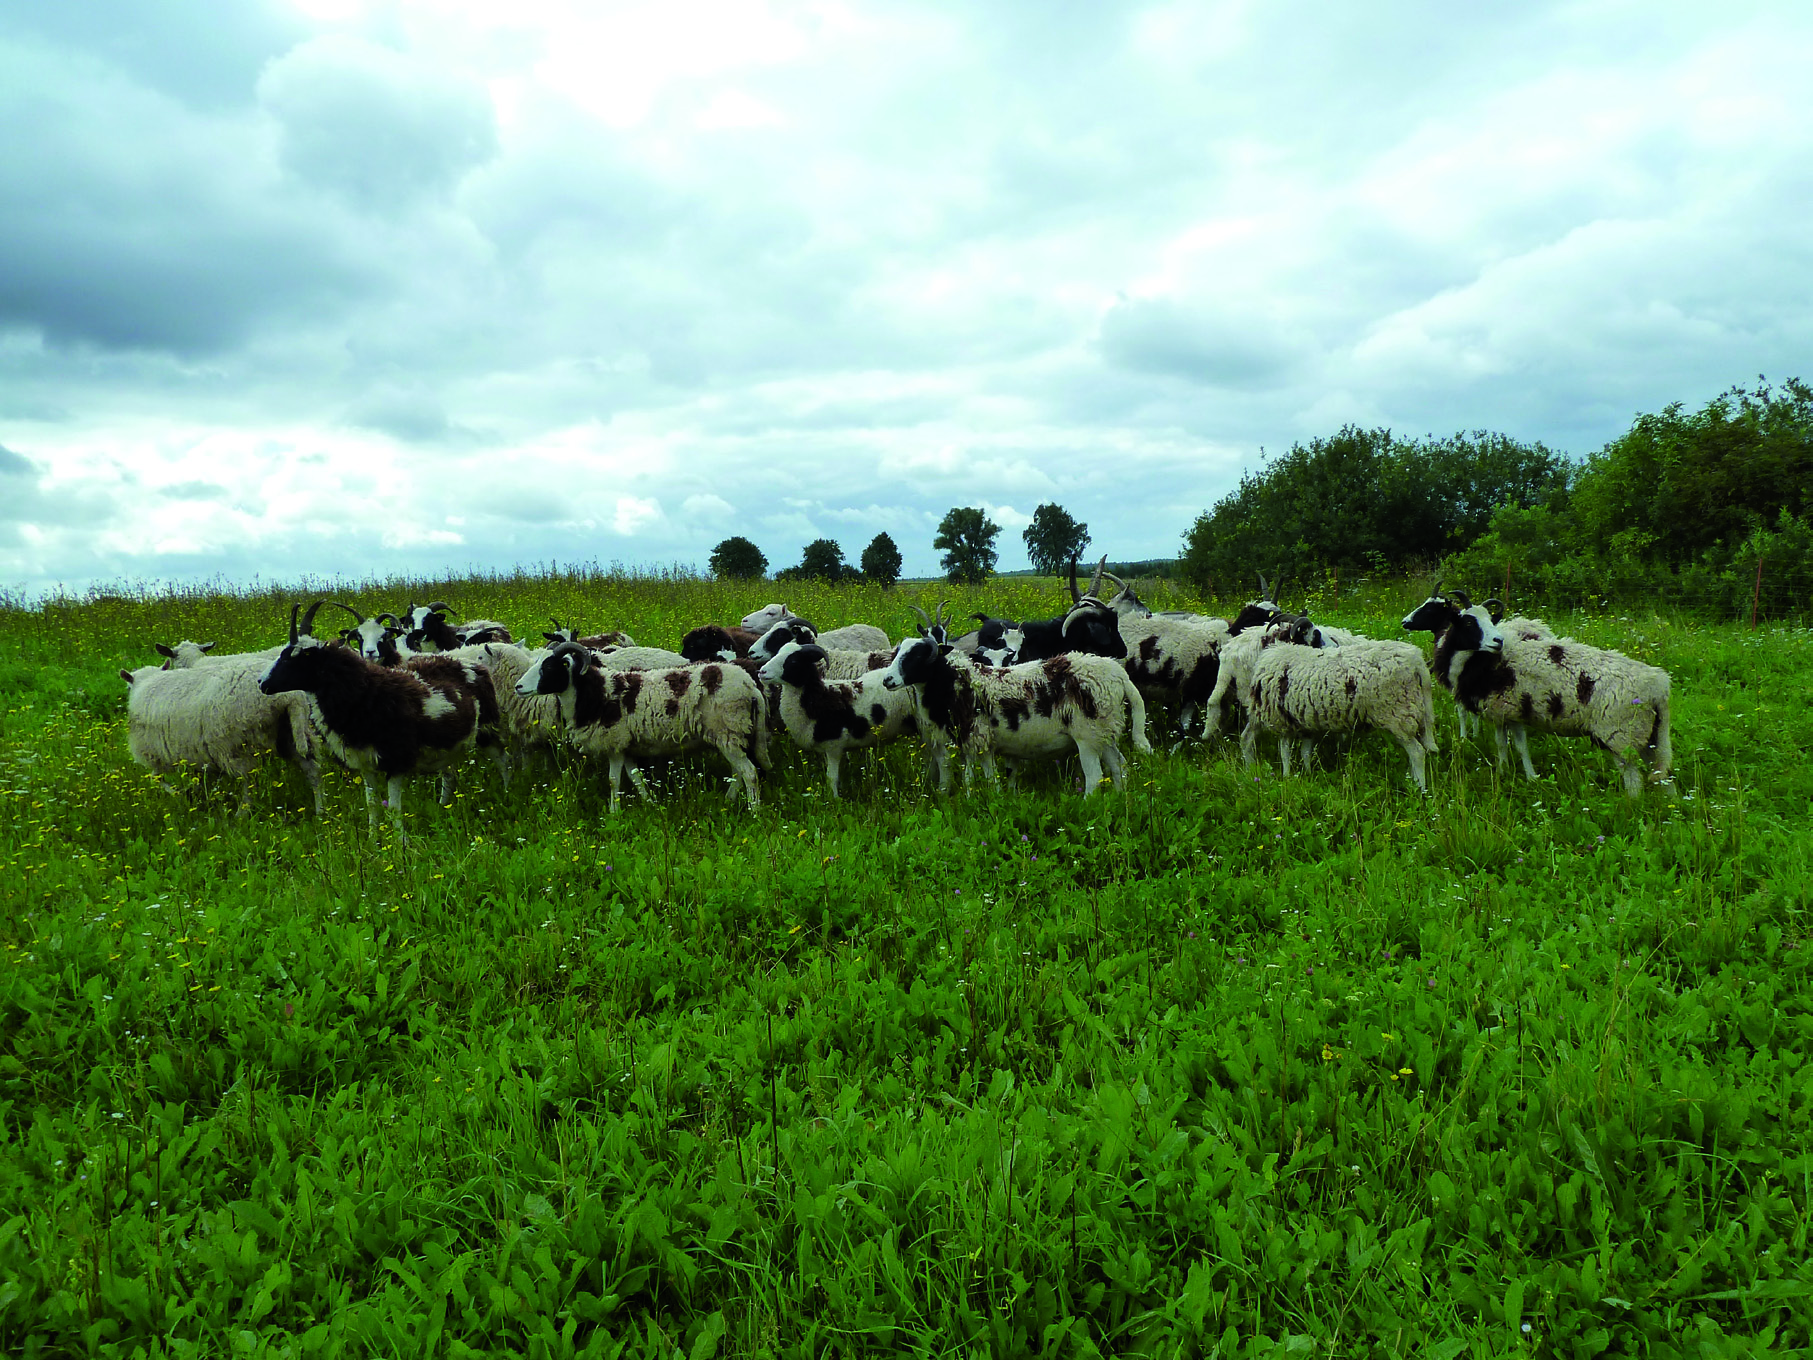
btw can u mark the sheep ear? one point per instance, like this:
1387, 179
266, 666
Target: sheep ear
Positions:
944, 648
162, 649
205, 646
126, 676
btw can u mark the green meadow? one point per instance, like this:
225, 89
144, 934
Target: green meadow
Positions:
1226, 1064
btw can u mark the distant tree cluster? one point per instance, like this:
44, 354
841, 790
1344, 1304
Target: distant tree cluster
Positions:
823, 560
1053, 539
966, 538
1364, 500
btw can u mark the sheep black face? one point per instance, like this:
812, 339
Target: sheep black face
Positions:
917, 661
1473, 631
1437, 613
797, 665
771, 643
556, 672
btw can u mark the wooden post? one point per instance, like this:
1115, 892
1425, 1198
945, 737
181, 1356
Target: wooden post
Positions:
1756, 591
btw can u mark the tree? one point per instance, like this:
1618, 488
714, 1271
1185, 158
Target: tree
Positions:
822, 560
738, 559
1053, 538
881, 560
966, 537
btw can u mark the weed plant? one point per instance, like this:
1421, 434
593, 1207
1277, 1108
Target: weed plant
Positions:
1227, 1065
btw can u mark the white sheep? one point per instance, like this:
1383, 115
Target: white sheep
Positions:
1033, 711
1298, 692
186, 654
623, 716
215, 718
637, 658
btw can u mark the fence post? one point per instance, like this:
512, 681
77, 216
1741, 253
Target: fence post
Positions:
1756, 592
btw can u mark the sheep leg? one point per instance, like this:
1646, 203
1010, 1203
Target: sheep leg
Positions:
1116, 764
449, 779
614, 780
1502, 753
1184, 715
640, 781
1306, 752
371, 802
396, 807
1249, 741
1285, 745
1092, 768
1413, 749
1520, 738
745, 769
834, 760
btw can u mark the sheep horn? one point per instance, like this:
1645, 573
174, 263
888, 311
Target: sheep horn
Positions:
294, 610
349, 609
308, 619
1459, 598
942, 621
1082, 606
569, 649
924, 618
1075, 595
438, 608
1095, 585
1117, 580
395, 622
556, 622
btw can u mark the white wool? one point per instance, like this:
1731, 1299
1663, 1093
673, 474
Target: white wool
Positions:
215, 717
1298, 692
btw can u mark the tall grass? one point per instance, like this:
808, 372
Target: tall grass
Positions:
1229, 1064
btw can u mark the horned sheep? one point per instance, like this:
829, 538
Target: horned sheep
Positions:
387, 723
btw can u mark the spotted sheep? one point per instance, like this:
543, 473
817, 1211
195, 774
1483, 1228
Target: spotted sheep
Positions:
1033, 711
831, 717
387, 723
841, 663
214, 717
626, 716
1234, 674
1437, 612
1298, 692
1554, 684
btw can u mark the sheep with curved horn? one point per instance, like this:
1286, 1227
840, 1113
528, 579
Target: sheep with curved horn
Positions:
387, 724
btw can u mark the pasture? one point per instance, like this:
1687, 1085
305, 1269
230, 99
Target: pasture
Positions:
1227, 1065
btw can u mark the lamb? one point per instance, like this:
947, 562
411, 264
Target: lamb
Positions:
626, 715
1026, 712
387, 723
215, 718
834, 717
1562, 686
1297, 692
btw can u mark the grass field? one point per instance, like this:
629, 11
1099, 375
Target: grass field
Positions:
1230, 1064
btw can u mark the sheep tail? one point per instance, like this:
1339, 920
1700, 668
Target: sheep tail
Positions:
1661, 751
1136, 704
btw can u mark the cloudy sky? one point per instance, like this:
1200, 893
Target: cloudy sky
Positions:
331, 286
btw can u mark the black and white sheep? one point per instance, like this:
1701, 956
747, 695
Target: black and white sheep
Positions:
427, 629
831, 716
566, 633
1033, 711
1562, 686
1298, 693
215, 718
1437, 613
841, 663
626, 716
387, 723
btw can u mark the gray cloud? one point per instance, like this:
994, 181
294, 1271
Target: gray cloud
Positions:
15, 464
1159, 335
380, 128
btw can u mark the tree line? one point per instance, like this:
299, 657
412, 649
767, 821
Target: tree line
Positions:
965, 540
1710, 509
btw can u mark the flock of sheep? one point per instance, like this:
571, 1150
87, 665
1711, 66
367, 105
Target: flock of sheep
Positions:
392, 696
